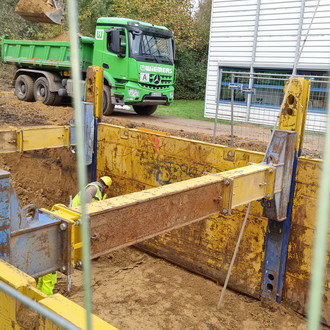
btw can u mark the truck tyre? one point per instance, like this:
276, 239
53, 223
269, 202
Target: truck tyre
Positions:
107, 106
145, 110
42, 92
24, 88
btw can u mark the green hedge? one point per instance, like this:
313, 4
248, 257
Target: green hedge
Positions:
191, 68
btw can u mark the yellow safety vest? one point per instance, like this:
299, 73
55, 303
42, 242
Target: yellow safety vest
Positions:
98, 196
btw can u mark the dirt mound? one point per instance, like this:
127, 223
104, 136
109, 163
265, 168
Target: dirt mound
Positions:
64, 36
44, 177
17, 113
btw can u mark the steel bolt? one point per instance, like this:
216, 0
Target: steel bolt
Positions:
227, 182
63, 269
270, 170
78, 264
224, 211
63, 226
268, 195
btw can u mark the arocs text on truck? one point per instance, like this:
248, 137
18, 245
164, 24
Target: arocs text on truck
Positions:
137, 58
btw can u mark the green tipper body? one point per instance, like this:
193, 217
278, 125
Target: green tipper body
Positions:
47, 55
140, 71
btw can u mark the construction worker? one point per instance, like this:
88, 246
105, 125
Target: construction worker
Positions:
46, 283
95, 191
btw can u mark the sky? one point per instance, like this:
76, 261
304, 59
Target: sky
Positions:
195, 4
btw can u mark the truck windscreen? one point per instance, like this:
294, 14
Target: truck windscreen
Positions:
151, 48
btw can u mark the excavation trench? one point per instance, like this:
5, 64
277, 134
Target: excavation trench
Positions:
132, 289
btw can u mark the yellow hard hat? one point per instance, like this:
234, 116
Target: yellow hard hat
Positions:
107, 180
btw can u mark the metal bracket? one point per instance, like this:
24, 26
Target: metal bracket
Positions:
88, 115
32, 240
280, 154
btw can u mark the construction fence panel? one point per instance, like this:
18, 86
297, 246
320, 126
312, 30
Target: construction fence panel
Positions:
251, 103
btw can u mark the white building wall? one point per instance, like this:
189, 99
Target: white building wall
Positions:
231, 37
277, 31
316, 52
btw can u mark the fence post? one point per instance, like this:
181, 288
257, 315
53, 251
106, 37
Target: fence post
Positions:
232, 113
217, 102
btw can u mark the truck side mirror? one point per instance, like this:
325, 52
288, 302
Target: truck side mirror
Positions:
114, 41
173, 46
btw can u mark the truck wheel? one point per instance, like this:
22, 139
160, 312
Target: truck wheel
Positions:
107, 107
24, 88
145, 110
42, 92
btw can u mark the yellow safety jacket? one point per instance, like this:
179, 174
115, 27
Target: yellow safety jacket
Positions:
46, 283
98, 196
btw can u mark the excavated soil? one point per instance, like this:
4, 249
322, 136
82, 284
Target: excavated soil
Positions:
131, 289
34, 6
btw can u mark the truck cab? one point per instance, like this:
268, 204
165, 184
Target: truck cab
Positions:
138, 63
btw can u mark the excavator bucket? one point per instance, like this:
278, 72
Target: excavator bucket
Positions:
41, 11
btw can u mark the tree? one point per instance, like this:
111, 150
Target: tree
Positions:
191, 62
174, 14
190, 74
13, 25
90, 11
203, 20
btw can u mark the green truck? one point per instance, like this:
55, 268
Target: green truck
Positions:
137, 58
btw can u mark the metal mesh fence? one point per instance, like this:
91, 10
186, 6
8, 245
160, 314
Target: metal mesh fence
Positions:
251, 104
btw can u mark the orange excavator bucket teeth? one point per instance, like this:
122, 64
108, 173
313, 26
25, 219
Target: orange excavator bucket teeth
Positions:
40, 11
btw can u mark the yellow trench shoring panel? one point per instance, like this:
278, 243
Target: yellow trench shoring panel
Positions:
302, 233
140, 160
15, 315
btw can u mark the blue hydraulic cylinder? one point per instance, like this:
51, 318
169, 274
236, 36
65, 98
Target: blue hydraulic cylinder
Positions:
276, 249
5, 215
94, 158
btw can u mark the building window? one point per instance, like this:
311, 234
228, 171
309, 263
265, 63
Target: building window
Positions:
266, 88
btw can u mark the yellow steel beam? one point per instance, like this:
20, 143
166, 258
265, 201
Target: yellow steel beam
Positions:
60, 210
34, 138
132, 218
247, 184
44, 137
94, 89
72, 312
294, 112
14, 315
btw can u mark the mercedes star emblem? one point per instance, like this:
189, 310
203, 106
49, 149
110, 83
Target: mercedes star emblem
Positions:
157, 79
